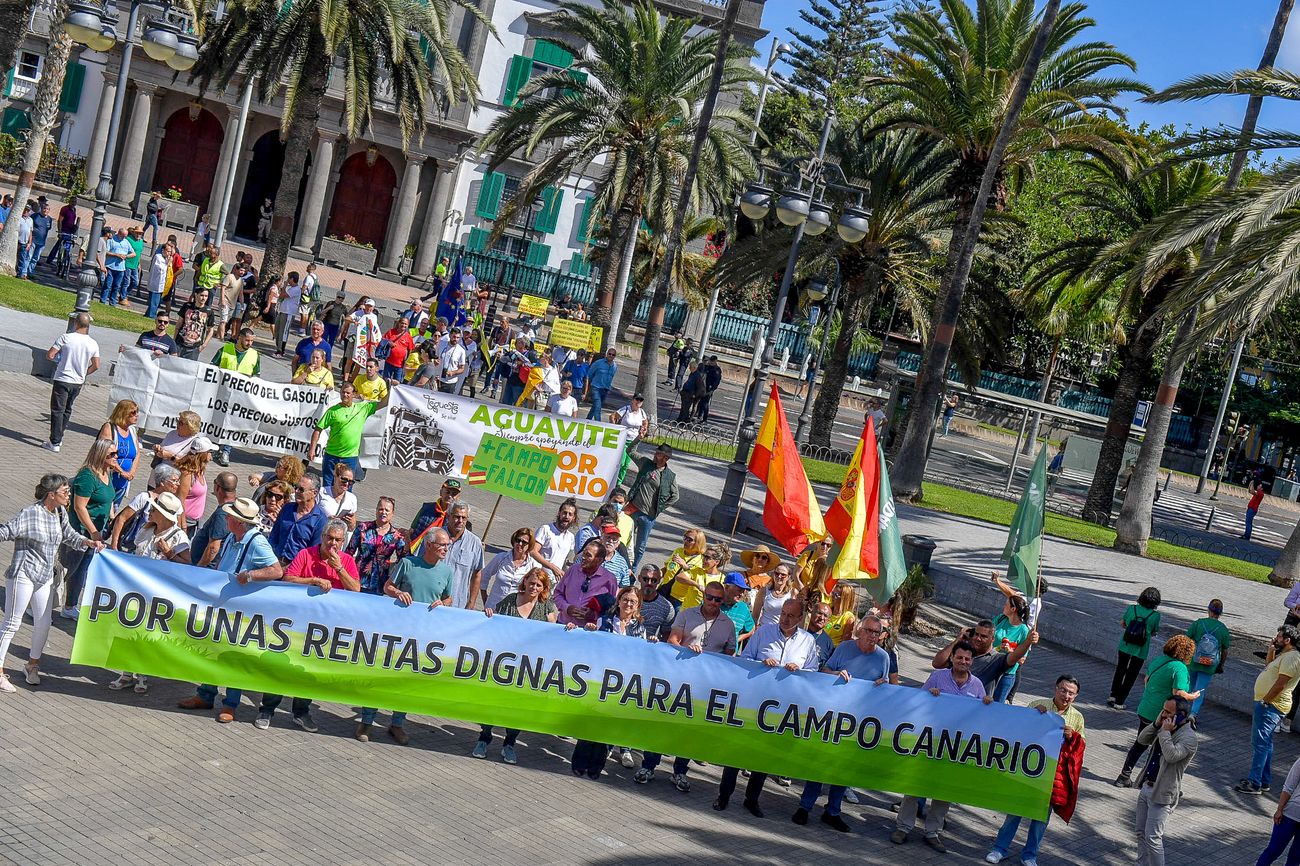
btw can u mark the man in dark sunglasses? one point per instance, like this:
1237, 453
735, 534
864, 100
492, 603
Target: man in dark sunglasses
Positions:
586, 579
158, 340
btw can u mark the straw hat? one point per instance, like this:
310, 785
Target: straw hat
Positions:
747, 556
242, 509
169, 506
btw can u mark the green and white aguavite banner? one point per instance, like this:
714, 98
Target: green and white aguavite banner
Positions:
197, 624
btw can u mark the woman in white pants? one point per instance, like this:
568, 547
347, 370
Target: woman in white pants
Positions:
37, 531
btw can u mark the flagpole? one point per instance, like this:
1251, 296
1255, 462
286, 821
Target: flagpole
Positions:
743, 484
491, 517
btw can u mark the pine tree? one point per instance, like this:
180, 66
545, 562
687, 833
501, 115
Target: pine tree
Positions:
839, 51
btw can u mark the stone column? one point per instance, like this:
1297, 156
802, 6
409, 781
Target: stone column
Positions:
435, 215
407, 198
95, 159
127, 180
322, 165
223, 164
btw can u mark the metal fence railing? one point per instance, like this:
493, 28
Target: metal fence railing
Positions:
58, 167
503, 272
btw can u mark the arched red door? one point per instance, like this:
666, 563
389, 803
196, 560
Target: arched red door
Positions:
189, 155
363, 199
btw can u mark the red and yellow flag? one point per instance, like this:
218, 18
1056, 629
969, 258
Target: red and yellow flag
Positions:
790, 511
853, 519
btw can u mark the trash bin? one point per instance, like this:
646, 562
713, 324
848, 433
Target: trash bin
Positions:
917, 550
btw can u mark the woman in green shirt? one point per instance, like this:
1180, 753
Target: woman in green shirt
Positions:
1009, 628
1211, 638
92, 512
1141, 622
1167, 678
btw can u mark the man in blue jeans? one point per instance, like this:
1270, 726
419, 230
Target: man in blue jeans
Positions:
116, 251
1272, 702
599, 380
246, 555
654, 490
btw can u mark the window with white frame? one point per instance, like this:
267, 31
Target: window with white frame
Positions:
29, 66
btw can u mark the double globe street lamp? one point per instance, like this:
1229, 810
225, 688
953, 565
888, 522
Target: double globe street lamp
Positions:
802, 203
95, 26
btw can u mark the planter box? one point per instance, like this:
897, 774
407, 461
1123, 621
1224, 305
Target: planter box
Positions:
350, 257
179, 214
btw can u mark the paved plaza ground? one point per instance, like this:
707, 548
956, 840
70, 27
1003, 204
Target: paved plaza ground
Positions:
88, 775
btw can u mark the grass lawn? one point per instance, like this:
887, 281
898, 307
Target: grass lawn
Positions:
964, 503
33, 297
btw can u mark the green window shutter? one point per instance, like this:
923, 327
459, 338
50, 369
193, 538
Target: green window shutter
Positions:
15, 120
584, 219
9, 82
578, 75
477, 242
73, 79
538, 254
517, 75
550, 213
545, 51
489, 195
579, 266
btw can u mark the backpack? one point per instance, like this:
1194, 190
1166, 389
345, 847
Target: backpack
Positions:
1208, 650
1135, 633
383, 350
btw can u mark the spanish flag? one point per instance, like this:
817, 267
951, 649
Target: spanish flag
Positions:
790, 512
863, 521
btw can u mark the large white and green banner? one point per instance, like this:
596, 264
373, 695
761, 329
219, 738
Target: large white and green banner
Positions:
200, 625
441, 433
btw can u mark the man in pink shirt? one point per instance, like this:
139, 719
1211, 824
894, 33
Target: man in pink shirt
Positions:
585, 579
326, 566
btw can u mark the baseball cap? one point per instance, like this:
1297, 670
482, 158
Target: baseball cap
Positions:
453, 483
611, 529
735, 578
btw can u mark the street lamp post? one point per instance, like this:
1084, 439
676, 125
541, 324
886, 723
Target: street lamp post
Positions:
94, 25
817, 292
802, 207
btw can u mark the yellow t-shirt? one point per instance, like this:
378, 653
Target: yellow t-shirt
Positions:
1073, 718
836, 626
321, 378
1287, 664
366, 389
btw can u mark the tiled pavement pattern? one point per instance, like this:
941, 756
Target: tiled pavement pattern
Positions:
90, 776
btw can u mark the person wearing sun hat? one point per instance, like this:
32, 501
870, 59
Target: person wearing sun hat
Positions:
758, 563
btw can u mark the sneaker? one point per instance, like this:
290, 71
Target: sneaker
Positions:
851, 796
1028, 861
6, 686
898, 837
1246, 786
1123, 780
306, 722
1120, 706
800, 816
681, 783
1285, 726
221, 459
121, 682
1264, 789
937, 844
508, 755
1110, 702
70, 612
627, 760
50, 446
835, 822
783, 781
994, 857
262, 722
32, 676
643, 776
480, 749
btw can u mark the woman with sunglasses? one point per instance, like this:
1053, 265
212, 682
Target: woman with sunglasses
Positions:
758, 563
843, 621
712, 562
690, 559
508, 568
806, 565
625, 619
339, 501
531, 601
120, 430
275, 495
771, 598
377, 546
315, 372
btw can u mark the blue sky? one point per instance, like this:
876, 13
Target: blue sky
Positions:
1170, 40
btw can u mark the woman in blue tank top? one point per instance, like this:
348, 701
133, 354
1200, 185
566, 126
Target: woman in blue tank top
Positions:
120, 430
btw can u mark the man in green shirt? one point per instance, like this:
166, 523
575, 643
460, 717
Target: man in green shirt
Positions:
135, 237
345, 420
1212, 639
425, 578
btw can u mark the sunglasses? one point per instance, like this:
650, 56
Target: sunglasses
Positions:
713, 598
348, 481
276, 496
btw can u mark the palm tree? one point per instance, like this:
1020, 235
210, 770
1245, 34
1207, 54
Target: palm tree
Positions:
45, 108
294, 46
632, 110
998, 86
1125, 196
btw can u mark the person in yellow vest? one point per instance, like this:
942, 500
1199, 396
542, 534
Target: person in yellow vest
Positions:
211, 270
240, 357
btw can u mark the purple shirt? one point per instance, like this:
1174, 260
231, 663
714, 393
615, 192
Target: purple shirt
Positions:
943, 681
576, 588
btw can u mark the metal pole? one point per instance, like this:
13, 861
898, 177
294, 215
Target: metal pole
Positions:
760, 342
1015, 455
724, 512
1218, 417
88, 279
806, 415
237, 144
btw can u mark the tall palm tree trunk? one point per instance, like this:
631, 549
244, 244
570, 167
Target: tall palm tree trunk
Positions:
1133, 529
45, 108
631, 220
302, 129
835, 366
14, 15
1044, 389
1287, 567
909, 465
647, 371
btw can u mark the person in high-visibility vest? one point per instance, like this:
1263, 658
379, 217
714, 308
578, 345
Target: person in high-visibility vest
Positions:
240, 357
211, 270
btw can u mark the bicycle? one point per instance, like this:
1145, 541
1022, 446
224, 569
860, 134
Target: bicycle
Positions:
62, 259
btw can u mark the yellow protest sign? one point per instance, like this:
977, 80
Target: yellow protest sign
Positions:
597, 337
574, 335
531, 305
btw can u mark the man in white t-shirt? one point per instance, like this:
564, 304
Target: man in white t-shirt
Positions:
454, 364
339, 500
633, 417
553, 542
563, 403
75, 356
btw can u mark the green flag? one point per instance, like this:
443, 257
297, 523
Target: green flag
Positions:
1025, 540
893, 568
